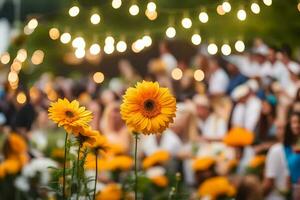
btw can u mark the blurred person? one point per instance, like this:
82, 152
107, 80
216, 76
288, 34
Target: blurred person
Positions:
246, 111
113, 127
200, 61
218, 79
166, 56
212, 126
128, 73
249, 189
236, 78
186, 86
107, 96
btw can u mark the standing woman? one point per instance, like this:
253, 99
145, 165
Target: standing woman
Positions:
292, 149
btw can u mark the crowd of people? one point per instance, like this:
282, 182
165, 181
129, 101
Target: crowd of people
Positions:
255, 92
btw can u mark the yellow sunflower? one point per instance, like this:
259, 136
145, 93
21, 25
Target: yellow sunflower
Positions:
148, 108
98, 142
17, 143
87, 136
69, 115
160, 181
111, 191
201, 164
159, 157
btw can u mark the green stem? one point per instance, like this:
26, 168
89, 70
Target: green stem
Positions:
78, 171
135, 167
64, 171
96, 175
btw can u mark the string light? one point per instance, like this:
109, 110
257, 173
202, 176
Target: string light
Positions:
226, 49
255, 8
27, 30
226, 6
80, 53
121, 46
21, 55
176, 74
196, 39
109, 40
95, 18
116, 4
220, 10
13, 77
16, 66
151, 15
98, 77
33, 23
199, 75
298, 6
186, 23
134, 10
267, 2
95, 49
78, 42
239, 46
147, 41
171, 32
65, 38
37, 57
212, 49
109, 48
21, 98
5, 58
203, 17
241, 15
74, 11
139, 44
54, 33
151, 6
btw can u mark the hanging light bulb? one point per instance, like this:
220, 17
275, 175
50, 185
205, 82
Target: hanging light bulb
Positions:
54, 33
220, 10
134, 9
78, 42
239, 46
226, 6
95, 49
5, 58
95, 18
186, 23
33, 23
255, 8
65, 38
79, 53
139, 44
116, 4
109, 40
109, 48
98, 77
37, 57
203, 17
268, 2
212, 49
151, 15
298, 6
171, 32
121, 46
151, 6
74, 11
199, 75
21, 55
226, 49
241, 15
196, 39
147, 40
176, 74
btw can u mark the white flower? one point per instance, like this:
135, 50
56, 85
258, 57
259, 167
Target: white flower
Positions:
155, 171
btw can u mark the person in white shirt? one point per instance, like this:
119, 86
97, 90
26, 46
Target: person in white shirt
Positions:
167, 58
247, 110
276, 173
218, 79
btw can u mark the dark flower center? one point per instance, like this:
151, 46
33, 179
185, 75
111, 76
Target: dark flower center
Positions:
69, 114
149, 105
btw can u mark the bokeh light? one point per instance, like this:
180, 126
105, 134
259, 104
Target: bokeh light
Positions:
176, 74
98, 77
199, 75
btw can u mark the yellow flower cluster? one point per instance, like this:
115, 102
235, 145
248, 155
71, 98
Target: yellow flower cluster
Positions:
114, 163
239, 137
160, 181
158, 157
17, 155
216, 187
148, 108
257, 161
204, 163
111, 191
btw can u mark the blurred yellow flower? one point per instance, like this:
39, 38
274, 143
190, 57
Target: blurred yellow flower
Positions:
11, 166
204, 163
160, 181
90, 162
69, 115
87, 136
257, 161
116, 149
111, 191
239, 137
122, 163
216, 187
17, 143
101, 144
58, 153
158, 157
2, 171
148, 108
